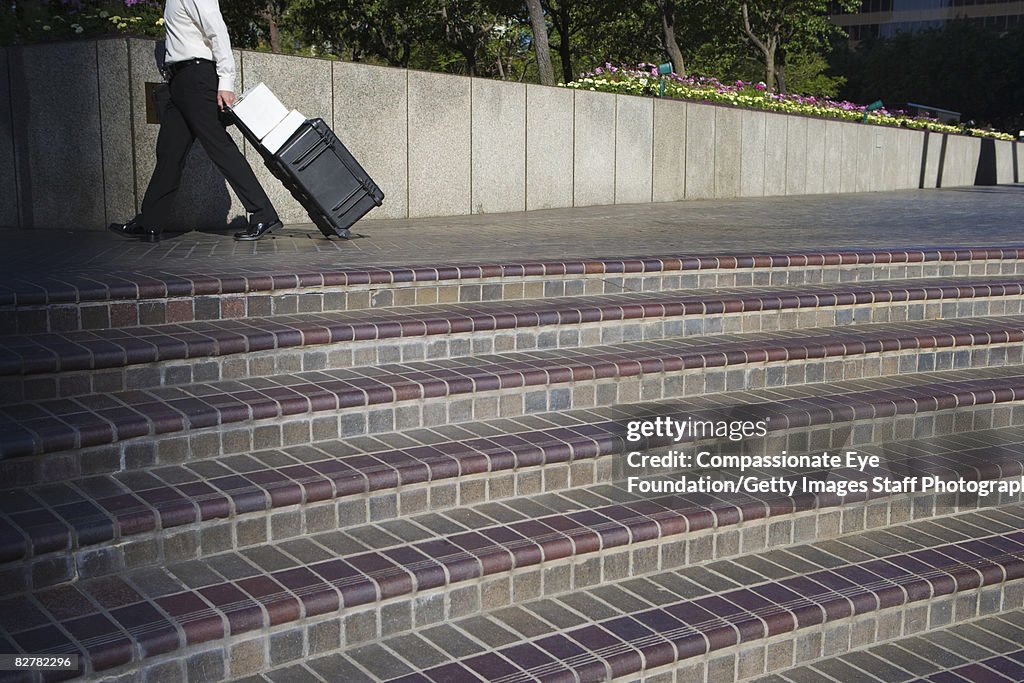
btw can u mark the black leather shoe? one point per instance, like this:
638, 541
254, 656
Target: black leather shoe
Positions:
257, 231
130, 229
149, 235
135, 229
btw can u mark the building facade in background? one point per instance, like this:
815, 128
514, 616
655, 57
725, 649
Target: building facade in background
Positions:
886, 18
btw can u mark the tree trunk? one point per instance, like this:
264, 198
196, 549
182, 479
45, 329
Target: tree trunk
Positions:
540, 43
667, 8
767, 49
273, 30
560, 17
566, 54
780, 70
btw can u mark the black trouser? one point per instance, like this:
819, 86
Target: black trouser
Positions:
193, 113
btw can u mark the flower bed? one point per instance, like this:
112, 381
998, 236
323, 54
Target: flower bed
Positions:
33, 22
644, 80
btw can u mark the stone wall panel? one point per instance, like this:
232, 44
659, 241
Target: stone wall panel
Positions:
700, 151
440, 158
499, 146
549, 147
593, 149
371, 109
634, 152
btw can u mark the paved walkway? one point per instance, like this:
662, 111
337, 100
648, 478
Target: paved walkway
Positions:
991, 216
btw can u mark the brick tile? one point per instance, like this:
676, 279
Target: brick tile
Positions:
379, 662
417, 651
105, 642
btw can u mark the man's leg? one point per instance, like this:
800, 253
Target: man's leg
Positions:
198, 105
172, 146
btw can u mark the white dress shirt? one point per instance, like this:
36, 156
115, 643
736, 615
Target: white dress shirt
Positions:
195, 28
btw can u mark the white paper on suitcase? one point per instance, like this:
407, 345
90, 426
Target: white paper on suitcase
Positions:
259, 110
280, 134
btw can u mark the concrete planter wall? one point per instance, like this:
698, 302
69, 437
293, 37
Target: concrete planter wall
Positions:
76, 150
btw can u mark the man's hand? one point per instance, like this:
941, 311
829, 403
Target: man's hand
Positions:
225, 98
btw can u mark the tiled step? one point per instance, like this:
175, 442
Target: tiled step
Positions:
465, 555
742, 619
51, 365
723, 619
984, 650
105, 432
102, 299
98, 525
426, 568
225, 476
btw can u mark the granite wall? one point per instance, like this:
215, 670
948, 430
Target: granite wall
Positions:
9, 210
77, 147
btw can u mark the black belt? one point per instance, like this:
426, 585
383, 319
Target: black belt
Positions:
174, 67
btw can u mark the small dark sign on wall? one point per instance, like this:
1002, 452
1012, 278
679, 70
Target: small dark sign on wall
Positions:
155, 100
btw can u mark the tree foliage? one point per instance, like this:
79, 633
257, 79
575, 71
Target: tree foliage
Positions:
788, 44
962, 67
779, 28
473, 37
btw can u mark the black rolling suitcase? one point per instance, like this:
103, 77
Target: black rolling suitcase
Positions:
322, 175
325, 178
